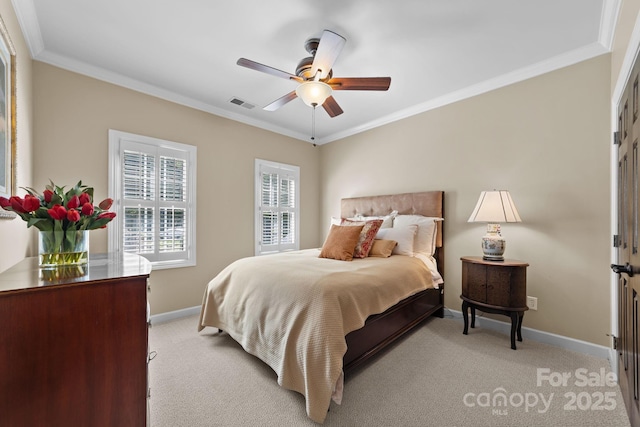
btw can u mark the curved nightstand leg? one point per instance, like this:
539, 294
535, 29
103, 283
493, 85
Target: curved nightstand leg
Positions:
465, 316
520, 317
473, 317
514, 327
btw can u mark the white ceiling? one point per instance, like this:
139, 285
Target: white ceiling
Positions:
436, 51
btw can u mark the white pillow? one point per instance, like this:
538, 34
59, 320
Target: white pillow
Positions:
425, 241
387, 220
405, 237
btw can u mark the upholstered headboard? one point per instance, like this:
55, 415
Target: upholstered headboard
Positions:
426, 203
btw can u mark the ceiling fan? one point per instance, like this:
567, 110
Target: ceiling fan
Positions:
315, 76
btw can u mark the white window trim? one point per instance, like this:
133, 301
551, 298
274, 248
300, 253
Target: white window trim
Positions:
116, 140
295, 170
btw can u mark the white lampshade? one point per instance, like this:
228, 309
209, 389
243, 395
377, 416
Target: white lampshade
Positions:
495, 207
313, 93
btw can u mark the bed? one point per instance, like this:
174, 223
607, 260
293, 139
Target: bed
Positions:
313, 319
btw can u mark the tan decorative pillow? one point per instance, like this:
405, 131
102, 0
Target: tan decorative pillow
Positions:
341, 242
382, 248
369, 230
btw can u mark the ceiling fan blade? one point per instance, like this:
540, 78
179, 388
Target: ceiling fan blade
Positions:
243, 62
360, 83
329, 48
331, 107
281, 101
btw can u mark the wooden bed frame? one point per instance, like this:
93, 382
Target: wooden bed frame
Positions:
381, 330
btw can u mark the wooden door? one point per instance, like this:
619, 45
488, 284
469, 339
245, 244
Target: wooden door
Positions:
626, 241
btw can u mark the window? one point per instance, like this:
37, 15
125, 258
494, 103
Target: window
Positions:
277, 207
153, 185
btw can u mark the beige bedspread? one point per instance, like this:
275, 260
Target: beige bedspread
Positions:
293, 310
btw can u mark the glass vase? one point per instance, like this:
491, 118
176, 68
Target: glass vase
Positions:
63, 248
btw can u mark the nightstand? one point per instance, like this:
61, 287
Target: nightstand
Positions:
498, 287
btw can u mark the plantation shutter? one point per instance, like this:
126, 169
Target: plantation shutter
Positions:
173, 204
154, 201
138, 202
277, 207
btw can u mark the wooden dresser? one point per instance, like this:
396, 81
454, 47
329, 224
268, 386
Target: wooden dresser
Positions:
73, 350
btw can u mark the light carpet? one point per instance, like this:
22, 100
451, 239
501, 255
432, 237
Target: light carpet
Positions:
433, 377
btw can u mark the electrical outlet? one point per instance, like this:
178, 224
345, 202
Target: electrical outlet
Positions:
532, 303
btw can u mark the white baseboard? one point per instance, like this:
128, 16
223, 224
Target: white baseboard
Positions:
543, 337
172, 315
613, 360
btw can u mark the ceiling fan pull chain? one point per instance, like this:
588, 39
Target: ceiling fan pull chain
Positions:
313, 122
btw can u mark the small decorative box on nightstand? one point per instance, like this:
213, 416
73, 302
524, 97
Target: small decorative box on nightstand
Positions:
498, 287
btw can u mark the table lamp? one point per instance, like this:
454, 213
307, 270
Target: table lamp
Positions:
494, 207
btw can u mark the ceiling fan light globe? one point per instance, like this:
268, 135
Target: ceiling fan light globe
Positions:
313, 93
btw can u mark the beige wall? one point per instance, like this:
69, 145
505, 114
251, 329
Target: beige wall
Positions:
14, 236
547, 141
71, 143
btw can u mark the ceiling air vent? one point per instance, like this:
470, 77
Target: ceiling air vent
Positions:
241, 103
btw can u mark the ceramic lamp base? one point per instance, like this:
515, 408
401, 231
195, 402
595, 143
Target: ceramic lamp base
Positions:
493, 244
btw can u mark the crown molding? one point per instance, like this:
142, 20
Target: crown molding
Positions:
28, 20
551, 64
608, 21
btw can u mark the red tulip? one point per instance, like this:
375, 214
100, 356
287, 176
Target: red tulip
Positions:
31, 203
106, 204
73, 215
57, 212
48, 194
84, 199
109, 215
4, 202
87, 209
73, 203
17, 204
